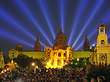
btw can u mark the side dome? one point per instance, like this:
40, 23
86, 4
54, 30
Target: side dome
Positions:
19, 47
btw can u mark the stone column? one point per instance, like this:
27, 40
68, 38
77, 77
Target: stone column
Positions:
62, 62
98, 58
55, 59
108, 58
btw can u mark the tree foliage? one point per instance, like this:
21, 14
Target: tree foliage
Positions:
24, 61
6, 59
74, 63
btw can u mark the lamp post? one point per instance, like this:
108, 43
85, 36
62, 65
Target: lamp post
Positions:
33, 64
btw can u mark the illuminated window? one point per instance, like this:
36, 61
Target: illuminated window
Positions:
64, 61
12, 55
52, 62
64, 55
102, 41
48, 53
58, 62
69, 55
101, 30
59, 54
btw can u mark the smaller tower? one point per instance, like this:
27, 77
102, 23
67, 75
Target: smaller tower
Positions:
86, 45
44, 48
19, 47
37, 45
2, 64
102, 36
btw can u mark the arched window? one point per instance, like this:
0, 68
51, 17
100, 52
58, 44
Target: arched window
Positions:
13, 53
101, 30
59, 54
64, 55
102, 42
48, 54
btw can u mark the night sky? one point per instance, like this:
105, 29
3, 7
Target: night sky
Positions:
23, 20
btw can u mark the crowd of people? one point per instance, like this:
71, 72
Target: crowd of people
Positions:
43, 75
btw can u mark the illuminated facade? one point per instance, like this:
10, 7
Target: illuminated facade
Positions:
2, 64
60, 54
37, 53
102, 49
56, 56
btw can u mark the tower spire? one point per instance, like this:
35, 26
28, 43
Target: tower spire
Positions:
37, 45
19, 43
19, 47
86, 38
60, 29
86, 44
37, 38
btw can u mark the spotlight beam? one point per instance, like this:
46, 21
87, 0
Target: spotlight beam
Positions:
88, 22
62, 2
106, 19
10, 19
43, 7
80, 45
24, 9
82, 5
11, 37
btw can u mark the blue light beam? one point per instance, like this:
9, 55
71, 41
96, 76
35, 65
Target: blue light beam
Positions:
80, 45
80, 9
106, 19
43, 7
95, 30
25, 10
95, 10
62, 2
11, 37
12, 21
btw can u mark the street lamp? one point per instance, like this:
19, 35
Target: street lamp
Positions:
33, 64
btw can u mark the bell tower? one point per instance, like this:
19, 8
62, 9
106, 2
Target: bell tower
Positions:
102, 37
86, 45
102, 49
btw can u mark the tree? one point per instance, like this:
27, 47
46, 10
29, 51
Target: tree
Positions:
77, 63
6, 59
23, 61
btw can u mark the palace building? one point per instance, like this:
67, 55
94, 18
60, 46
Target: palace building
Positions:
60, 54
56, 56
102, 49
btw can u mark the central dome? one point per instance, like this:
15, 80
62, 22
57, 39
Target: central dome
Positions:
60, 35
60, 41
